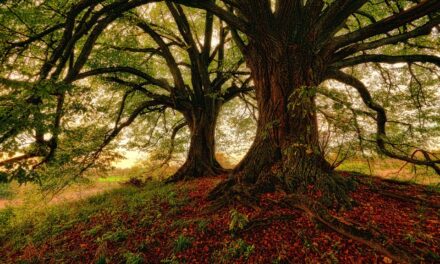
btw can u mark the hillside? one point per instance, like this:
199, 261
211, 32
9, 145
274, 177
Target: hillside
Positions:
156, 223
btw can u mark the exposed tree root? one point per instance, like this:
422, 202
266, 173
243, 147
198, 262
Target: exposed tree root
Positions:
373, 239
266, 221
221, 189
232, 194
312, 187
298, 172
196, 169
363, 236
330, 189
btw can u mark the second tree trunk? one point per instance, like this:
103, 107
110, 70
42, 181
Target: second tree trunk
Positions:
201, 160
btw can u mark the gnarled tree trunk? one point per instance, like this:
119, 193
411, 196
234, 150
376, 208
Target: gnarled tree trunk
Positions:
286, 153
201, 160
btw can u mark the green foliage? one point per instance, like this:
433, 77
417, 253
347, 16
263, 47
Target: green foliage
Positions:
95, 230
240, 248
5, 191
101, 260
434, 187
202, 225
233, 250
433, 255
4, 178
182, 243
118, 235
133, 258
5, 216
181, 223
171, 260
112, 179
238, 221
33, 222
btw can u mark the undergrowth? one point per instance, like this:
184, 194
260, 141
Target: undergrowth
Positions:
5, 191
157, 223
24, 225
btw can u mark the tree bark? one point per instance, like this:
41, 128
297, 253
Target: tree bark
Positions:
201, 160
286, 153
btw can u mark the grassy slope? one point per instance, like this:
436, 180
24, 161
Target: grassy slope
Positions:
99, 219
392, 169
167, 224
13, 194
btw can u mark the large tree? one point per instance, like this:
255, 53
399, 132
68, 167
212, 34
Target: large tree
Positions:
200, 75
292, 47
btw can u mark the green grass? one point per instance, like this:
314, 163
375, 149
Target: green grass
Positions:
6, 191
393, 170
182, 243
435, 187
133, 258
113, 179
25, 225
357, 166
233, 250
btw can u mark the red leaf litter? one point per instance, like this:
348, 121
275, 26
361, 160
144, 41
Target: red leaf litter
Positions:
299, 239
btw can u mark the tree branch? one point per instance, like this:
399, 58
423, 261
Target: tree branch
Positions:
162, 83
386, 59
423, 8
224, 15
419, 31
381, 121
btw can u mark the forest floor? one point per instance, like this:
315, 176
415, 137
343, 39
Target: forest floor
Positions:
159, 223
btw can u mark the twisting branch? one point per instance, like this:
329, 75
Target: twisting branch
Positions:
17, 159
162, 83
381, 121
132, 49
200, 75
180, 125
160, 98
419, 31
36, 37
335, 16
170, 60
122, 107
223, 14
387, 59
423, 8
150, 106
